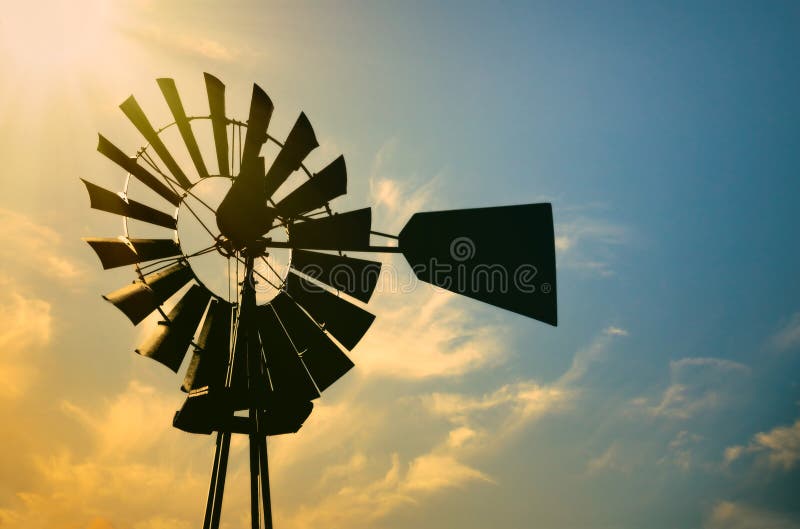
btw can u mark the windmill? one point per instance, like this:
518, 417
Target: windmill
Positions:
272, 356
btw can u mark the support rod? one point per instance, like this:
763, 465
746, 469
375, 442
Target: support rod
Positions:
222, 471
264, 473
248, 345
212, 489
381, 249
254, 498
373, 232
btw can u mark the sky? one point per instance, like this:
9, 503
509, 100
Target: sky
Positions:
663, 133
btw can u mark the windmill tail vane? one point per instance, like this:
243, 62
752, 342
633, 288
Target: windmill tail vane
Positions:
271, 358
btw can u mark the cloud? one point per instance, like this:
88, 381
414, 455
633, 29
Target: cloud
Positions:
587, 244
26, 329
733, 515
30, 247
347, 442
421, 331
396, 199
697, 385
519, 403
363, 505
679, 450
780, 446
186, 43
615, 331
133, 422
510, 408
460, 436
428, 335
610, 460
133, 462
788, 336
433, 472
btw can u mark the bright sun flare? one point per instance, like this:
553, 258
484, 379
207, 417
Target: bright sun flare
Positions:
46, 37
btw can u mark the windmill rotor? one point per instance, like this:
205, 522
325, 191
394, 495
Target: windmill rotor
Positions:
272, 357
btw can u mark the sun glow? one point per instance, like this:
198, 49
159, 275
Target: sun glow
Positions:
43, 38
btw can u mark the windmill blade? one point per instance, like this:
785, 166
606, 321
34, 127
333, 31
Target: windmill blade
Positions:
299, 143
119, 251
108, 201
140, 298
130, 107
287, 373
204, 411
355, 277
323, 187
504, 256
341, 231
169, 342
325, 361
260, 113
113, 153
345, 321
209, 361
219, 123
170, 92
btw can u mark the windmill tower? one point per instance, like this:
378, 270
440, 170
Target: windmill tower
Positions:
258, 364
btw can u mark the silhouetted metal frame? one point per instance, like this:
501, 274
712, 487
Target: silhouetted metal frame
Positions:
259, 467
142, 153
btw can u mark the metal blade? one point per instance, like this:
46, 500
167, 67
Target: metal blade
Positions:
299, 143
140, 298
355, 277
323, 358
169, 342
108, 201
342, 231
260, 113
135, 113
114, 252
170, 92
344, 320
504, 256
113, 153
209, 362
323, 187
287, 373
219, 123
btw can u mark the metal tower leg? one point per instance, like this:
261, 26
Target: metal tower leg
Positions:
254, 477
264, 474
217, 487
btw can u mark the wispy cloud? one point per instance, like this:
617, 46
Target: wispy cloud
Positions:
736, 515
395, 198
429, 335
400, 485
697, 384
132, 422
788, 336
30, 247
132, 461
680, 450
589, 244
26, 329
459, 428
186, 43
780, 447
421, 331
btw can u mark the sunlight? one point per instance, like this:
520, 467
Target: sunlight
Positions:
46, 38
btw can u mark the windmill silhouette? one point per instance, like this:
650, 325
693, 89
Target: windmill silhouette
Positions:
272, 359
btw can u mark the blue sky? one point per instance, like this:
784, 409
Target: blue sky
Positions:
664, 134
